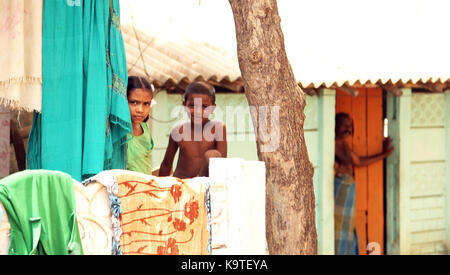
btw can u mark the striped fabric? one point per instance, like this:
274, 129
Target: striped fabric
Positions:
346, 239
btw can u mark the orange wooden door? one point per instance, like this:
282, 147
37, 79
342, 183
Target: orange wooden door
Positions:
366, 111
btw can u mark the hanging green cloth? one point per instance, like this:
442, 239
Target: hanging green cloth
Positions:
119, 121
85, 114
41, 210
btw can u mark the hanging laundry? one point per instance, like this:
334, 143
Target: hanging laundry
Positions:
21, 58
1, 215
40, 206
5, 232
109, 180
85, 114
163, 216
154, 216
94, 218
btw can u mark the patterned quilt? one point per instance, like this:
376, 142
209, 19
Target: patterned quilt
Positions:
162, 216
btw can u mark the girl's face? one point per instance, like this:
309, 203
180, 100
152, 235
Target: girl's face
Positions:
139, 101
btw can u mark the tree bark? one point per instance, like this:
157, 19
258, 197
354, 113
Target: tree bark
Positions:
270, 82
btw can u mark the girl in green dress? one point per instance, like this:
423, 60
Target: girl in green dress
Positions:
140, 144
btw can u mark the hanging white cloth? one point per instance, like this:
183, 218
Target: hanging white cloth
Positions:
21, 58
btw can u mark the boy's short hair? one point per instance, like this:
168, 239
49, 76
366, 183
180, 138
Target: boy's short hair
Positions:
200, 87
341, 116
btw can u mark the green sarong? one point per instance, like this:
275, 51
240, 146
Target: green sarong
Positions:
41, 210
85, 114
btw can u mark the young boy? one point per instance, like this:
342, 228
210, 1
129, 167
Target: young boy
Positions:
199, 139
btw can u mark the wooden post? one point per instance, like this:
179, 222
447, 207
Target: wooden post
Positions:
392, 246
405, 167
325, 182
447, 161
398, 171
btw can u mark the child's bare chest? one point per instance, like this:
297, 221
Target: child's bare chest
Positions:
196, 148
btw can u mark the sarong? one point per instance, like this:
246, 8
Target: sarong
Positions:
346, 239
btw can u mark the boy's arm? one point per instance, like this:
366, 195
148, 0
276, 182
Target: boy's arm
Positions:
364, 161
166, 165
221, 139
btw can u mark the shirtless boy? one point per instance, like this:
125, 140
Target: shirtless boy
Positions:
199, 139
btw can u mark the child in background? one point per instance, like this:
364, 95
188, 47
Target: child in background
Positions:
199, 139
140, 142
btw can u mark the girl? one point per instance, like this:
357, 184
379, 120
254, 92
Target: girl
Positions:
140, 144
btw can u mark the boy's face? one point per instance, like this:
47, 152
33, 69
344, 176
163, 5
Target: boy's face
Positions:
199, 107
344, 128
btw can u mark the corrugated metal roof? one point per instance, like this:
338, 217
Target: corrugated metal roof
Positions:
172, 64
329, 43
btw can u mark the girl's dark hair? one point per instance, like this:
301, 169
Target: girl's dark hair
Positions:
138, 82
201, 87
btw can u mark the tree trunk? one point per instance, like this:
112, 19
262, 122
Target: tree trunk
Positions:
270, 84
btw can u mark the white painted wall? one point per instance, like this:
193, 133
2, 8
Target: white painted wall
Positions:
238, 204
428, 174
418, 176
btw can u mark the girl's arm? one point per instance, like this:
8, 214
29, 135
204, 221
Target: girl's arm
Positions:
166, 165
